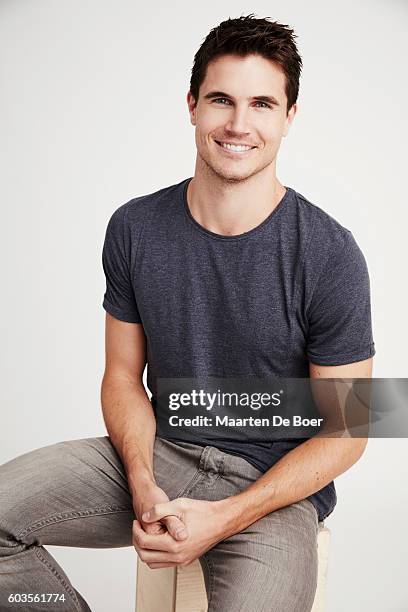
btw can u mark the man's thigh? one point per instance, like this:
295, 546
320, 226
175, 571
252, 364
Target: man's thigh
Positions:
75, 493
270, 566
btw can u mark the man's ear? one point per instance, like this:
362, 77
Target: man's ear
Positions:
191, 107
289, 119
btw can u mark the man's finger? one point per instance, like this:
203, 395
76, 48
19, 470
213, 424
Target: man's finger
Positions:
176, 527
153, 528
159, 511
161, 542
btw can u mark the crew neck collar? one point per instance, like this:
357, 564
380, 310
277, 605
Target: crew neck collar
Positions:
255, 230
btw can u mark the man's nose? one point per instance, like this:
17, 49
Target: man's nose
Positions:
238, 122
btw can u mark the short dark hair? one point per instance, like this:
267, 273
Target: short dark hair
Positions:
247, 35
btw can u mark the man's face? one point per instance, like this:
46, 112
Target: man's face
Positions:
233, 109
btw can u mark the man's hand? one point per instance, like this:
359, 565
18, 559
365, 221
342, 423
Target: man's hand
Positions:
147, 497
203, 523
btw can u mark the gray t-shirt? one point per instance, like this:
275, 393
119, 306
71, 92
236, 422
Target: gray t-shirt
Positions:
293, 289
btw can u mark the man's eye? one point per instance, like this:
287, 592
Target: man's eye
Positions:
220, 99
226, 101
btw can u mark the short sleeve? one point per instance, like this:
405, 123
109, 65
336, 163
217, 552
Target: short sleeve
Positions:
339, 314
119, 299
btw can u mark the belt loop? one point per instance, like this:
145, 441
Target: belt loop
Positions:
203, 458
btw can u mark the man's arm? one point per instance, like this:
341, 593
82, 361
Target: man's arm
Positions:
130, 420
302, 471
127, 411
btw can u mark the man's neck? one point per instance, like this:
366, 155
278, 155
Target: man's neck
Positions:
232, 208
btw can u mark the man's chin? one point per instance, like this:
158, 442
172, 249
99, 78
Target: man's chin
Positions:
228, 172
233, 176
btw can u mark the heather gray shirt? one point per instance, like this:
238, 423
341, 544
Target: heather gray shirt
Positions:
293, 289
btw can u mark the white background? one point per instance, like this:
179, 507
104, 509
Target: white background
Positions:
93, 113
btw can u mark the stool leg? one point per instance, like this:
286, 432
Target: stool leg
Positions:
155, 588
191, 595
323, 545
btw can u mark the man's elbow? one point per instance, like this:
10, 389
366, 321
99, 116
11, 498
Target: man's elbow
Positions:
359, 446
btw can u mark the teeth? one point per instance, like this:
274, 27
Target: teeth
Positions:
232, 147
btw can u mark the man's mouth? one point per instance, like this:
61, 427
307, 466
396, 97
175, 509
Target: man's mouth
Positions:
234, 148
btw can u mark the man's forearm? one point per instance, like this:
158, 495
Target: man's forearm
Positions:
131, 425
300, 473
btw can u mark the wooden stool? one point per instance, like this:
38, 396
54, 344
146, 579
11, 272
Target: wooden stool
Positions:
182, 589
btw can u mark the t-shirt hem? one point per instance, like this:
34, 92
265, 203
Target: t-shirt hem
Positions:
343, 359
321, 516
127, 317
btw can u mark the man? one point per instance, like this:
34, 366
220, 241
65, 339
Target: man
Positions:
227, 274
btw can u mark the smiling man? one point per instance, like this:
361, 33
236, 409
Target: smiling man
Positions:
228, 273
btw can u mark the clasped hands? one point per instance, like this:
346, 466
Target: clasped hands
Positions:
192, 527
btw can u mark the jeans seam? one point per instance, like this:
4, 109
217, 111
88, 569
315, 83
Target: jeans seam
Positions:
189, 485
221, 467
64, 516
52, 569
209, 565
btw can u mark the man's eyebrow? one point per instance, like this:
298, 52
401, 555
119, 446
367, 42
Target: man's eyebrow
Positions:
221, 94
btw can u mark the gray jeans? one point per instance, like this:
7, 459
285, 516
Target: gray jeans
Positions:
75, 493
